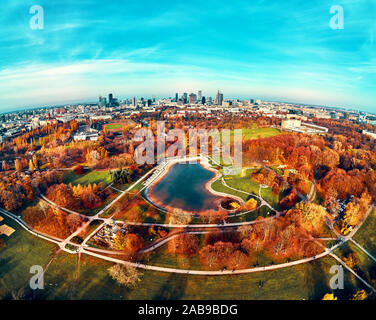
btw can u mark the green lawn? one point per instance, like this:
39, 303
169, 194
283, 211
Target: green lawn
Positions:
306, 281
366, 235
92, 177
250, 186
263, 212
366, 267
22, 250
218, 186
114, 126
254, 133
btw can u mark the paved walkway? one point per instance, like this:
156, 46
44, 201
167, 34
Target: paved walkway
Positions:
83, 248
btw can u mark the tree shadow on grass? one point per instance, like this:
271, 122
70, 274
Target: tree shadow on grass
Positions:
173, 288
316, 280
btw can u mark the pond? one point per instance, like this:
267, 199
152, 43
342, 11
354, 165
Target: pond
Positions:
183, 187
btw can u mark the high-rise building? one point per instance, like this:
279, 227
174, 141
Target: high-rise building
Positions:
185, 97
110, 98
203, 100
176, 97
199, 95
134, 102
102, 101
192, 98
219, 99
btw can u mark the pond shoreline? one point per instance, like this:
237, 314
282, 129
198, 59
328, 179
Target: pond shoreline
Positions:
197, 160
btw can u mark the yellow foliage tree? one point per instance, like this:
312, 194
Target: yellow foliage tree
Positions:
329, 296
31, 166
360, 295
251, 204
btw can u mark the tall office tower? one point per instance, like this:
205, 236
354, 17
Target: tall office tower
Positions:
203, 100
219, 99
192, 98
134, 101
102, 101
110, 98
185, 97
176, 97
199, 95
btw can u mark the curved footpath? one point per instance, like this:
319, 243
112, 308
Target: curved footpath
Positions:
209, 272
83, 248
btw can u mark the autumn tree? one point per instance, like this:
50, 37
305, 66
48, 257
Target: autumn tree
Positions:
289, 200
18, 165
62, 195
329, 296
31, 166
311, 216
178, 216
223, 255
184, 244
130, 243
251, 204
351, 260
74, 221
79, 169
125, 275
360, 295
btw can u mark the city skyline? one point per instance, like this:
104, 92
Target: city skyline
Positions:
282, 52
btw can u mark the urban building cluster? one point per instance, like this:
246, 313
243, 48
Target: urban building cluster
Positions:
295, 117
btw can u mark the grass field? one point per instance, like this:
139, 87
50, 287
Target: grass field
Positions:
366, 267
22, 250
114, 126
366, 235
92, 177
250, 186
254, 133
118, 126
218, 186
307, 281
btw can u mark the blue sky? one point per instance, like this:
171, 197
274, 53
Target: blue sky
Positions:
273, 50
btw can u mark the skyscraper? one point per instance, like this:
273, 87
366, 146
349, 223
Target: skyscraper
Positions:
219, 99
134, 102
192, 98
185, 97
199, 95
102, 101
110, 98
176, 97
